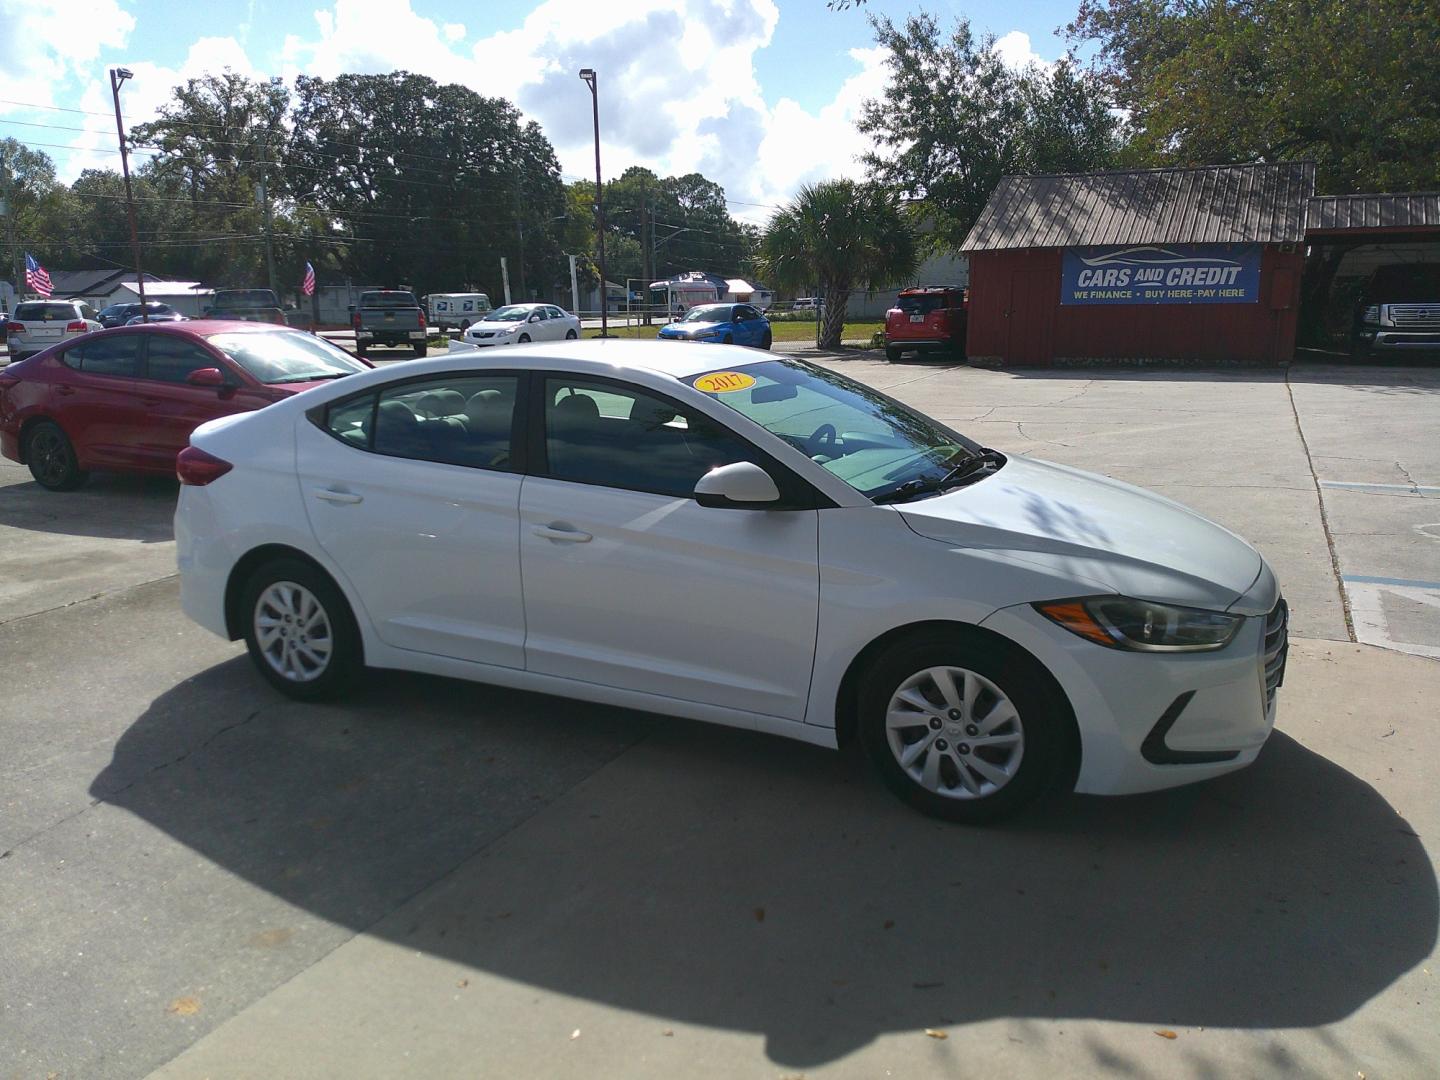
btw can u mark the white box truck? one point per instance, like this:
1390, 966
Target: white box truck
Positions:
457, 310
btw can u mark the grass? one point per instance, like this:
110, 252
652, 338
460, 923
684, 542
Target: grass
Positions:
790, 331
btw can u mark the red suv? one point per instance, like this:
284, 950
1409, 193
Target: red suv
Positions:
127, 399
927, 318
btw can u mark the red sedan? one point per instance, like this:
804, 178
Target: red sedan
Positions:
127, 399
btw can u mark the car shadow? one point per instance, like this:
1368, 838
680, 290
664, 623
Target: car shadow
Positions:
110, 505
722, 878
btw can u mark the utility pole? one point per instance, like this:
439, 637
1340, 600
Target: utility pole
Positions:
592, 81
262, 196
647, 237
505, 277
9, 210
520, 263
574, 289
118, 76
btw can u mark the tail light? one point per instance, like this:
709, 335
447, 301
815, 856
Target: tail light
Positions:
355, 320
14, 328
76, 327
422, 320
195, 467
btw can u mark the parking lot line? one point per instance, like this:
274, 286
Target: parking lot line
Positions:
1381, 489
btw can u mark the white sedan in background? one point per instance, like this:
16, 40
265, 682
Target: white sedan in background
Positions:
518, 324
742, 539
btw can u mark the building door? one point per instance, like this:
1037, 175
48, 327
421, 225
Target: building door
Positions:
1031, 314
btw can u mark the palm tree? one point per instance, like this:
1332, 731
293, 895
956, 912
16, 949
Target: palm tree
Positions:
841, 235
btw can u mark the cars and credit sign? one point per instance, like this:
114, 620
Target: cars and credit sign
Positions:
1161, 274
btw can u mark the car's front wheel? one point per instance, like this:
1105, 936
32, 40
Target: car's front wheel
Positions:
300, 631
767, 341
51, 457
571, 335
523, 339
962, 727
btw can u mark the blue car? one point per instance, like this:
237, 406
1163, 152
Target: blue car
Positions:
726, 324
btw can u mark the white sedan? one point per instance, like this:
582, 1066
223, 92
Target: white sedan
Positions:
519, 324
743, 539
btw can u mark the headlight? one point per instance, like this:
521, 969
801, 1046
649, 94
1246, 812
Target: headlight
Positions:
1118, 622
1371, 314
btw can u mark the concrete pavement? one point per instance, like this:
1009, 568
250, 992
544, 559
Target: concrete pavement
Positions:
201, 877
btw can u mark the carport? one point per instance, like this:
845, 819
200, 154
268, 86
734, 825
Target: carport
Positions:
1349, 237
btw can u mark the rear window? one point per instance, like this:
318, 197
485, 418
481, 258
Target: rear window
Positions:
925, 303
1406, 284
246, 298
388, 299
34, 312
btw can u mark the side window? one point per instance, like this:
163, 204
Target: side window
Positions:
540, 313
554, 313
454, 420
172, 359
622, 437
87, 312
107, 354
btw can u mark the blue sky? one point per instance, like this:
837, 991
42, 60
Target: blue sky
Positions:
757, 94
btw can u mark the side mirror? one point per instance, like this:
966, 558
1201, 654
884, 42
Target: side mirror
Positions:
534, 317
206, 376
741, 486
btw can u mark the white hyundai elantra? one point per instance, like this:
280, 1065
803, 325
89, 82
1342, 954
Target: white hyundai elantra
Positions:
739, 538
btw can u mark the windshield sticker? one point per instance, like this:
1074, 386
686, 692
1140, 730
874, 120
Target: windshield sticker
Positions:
723, 382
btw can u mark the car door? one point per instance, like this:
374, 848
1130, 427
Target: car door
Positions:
749, 330
413, 491
97, 399
630, 583
174, 408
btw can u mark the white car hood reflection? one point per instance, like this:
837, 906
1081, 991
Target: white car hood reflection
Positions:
1093, 529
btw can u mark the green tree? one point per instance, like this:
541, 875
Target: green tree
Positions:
217, 140
1353, 86
841, 235
427, 185
955, 118
27, 182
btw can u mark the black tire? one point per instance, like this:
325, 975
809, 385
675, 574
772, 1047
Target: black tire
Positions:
465, 326
523, 339
767, 341
892, 354
1359, 351
51, 457
421, 351
360, 352
571, 335
728, 340
1044, 721
345, 662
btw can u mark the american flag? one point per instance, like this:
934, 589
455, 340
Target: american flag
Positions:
308, 285
36, 278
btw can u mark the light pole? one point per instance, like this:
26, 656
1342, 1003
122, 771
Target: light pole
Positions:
118, 76
588, 75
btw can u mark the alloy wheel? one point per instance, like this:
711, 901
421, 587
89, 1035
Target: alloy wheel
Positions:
954, 733
293, 631
48, 456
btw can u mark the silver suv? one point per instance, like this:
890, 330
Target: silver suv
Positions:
38, 324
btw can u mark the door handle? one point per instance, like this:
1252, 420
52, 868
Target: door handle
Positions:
151, 401
65, 391
338, 496
572, 536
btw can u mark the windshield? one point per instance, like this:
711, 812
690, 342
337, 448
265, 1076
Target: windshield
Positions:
513, 313
1416, 283
871, 442
708, 313
286, 356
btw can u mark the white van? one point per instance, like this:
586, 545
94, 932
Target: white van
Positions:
456, 309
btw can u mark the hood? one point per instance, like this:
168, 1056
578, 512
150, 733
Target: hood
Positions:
1094, 530
692, 329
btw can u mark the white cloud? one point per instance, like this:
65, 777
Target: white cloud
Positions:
43, 46
454, 31
1014, 48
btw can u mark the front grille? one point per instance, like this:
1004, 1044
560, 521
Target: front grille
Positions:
1415, 314
1276, 645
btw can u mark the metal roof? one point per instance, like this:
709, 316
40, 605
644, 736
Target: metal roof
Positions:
1415, 209
1218, 204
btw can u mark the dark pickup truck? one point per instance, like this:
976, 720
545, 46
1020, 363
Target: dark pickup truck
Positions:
1398, 311
247, 305
388, 317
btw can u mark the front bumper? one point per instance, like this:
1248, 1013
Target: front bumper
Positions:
1385, 340
1156, 720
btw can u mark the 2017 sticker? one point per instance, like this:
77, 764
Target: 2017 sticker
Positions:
723, 382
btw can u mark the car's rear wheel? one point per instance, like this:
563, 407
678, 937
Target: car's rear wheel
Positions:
767, 341
361, 353
571, 335
961, 727
891, 353
300, 631
421, 351
51, 457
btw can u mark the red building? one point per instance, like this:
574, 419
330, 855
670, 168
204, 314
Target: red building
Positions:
1199, 265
